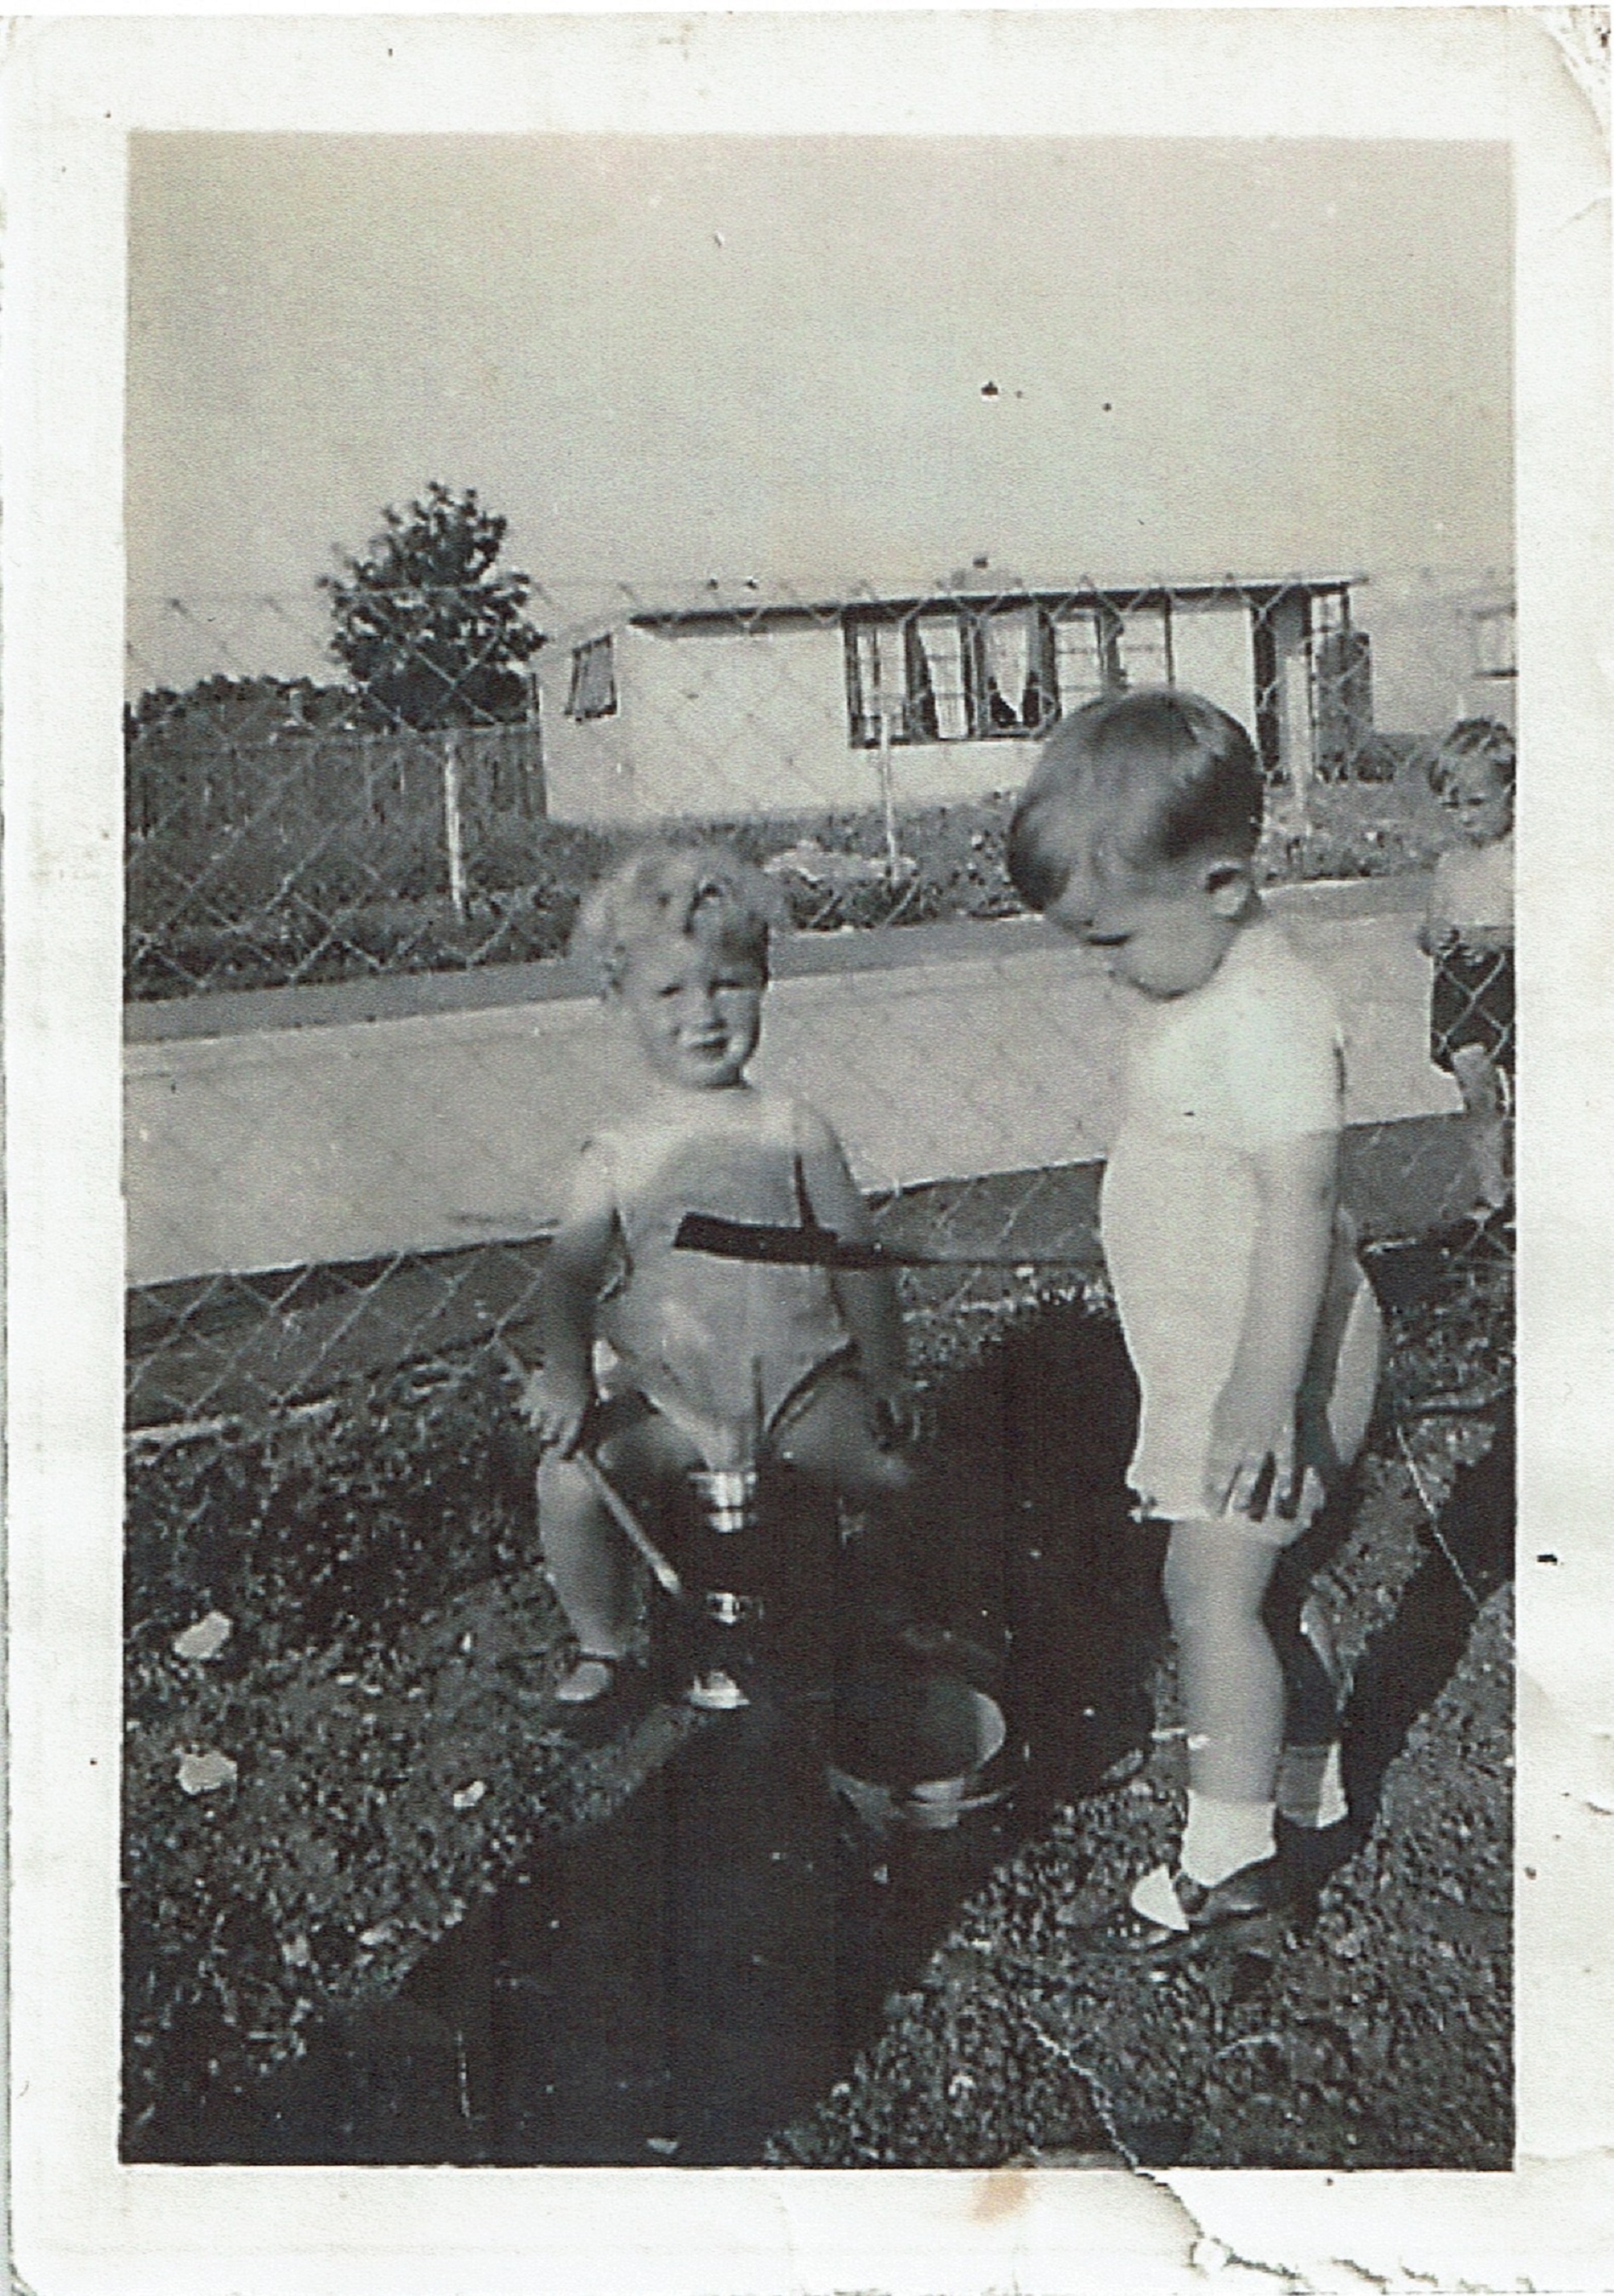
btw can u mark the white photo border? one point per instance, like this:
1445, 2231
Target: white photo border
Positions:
74, 88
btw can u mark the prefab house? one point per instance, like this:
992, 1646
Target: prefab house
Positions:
747, 702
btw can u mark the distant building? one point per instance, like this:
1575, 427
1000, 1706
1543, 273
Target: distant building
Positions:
744, 701
1492, 626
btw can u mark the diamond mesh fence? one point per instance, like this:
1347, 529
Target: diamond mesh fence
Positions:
357, 1053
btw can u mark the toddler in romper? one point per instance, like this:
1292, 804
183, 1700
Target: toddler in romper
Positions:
1468, 931
1252, 1330
711, 1360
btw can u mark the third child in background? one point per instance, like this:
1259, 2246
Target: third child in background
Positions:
1468, 931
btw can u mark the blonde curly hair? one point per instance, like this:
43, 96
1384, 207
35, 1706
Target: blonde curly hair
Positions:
666, 892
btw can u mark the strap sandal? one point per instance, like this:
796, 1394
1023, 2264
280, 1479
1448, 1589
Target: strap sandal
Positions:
1251, 1910
716, 1691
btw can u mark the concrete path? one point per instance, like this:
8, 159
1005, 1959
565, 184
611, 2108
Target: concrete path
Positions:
994, 1049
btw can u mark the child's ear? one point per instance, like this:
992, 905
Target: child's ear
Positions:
1229, 885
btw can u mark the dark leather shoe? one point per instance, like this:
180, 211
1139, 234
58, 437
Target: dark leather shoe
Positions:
1251, 1909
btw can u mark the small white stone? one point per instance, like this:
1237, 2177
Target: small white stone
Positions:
205, 1773
206, 1638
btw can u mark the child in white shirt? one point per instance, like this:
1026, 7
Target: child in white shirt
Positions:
1252, 1330
713, 1361
1468, 931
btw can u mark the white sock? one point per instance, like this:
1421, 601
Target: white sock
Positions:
1222, 1836
1311, 1786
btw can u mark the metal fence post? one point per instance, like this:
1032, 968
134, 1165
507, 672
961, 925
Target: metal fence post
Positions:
889, 706
452, 829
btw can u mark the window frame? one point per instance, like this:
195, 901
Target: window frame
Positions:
1107, 616
584, 657
914, 719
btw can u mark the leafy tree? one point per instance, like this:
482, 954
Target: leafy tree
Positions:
431, 631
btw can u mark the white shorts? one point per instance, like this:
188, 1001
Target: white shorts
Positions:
1169, 1465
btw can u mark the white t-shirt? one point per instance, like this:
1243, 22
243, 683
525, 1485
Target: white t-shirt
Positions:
1472, 888
1253, 1058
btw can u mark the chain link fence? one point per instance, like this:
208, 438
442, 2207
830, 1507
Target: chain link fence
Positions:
292, 834
286, 830
357, 1067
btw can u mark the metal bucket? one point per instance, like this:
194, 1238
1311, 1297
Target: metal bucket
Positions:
926, 1759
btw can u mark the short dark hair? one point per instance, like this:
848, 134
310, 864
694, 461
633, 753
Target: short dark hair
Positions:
1185, 769
1474, 737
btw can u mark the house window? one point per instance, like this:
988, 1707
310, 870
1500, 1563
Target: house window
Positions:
1493, 631
593, 680
1001, 671
1143, 644
1084, 659
878, 685
1343, 705
950, 673
946, 699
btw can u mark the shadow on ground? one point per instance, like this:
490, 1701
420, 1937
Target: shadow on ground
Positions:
679, 1982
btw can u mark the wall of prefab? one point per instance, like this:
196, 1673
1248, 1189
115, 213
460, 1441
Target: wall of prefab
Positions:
782, 711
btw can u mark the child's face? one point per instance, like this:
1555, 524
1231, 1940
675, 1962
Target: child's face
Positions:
1164, 927
1476, 799
696, 1010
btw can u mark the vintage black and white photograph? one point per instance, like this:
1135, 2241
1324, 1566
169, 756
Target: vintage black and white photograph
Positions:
820, 1041
819, 1459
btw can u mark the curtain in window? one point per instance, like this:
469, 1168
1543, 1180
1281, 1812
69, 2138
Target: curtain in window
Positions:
1008, 663
1495, 642
1212, 654
942, 643
882, 677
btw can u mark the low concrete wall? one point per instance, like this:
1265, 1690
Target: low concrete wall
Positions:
995, 1050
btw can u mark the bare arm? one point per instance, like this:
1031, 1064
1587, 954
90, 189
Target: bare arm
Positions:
1297, 1184
557, 1395
867, 1297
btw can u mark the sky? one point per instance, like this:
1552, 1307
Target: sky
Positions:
825, 362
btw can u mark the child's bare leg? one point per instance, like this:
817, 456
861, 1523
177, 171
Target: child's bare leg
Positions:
1233, 1685
591, 1571
1232, 1696
1484, 1109
589, 1563
831, 1439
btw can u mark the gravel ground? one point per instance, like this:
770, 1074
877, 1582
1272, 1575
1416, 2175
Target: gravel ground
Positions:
372, 1751
1380, 2040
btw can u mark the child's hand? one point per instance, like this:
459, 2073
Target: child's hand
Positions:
1251, 1465
556, 1406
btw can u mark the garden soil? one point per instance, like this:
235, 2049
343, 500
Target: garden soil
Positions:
412, 1919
